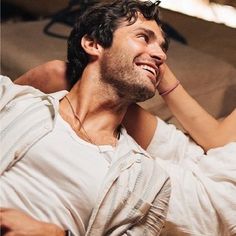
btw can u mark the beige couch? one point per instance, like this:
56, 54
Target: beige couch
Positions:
206, 66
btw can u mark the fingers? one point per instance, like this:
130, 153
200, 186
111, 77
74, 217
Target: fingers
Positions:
3, 209
14, 234
9, 218
17, 223
3, 219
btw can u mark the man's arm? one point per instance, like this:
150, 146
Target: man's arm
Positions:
140, 124
15, 222
202, 127
49, 77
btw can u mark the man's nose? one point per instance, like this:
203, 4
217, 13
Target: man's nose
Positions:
157, 53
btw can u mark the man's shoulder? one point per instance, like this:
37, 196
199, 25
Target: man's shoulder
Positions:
16, 99
7, 85
10, 91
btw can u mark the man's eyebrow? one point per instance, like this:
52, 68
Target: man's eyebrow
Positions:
150, 33
164, 43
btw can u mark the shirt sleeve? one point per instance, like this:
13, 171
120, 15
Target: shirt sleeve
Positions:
16, 119
5, 84
169, 143
10, 91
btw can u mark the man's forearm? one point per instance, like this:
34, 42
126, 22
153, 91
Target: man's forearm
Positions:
203, 128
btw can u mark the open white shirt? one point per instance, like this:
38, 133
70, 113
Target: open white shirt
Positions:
59, 178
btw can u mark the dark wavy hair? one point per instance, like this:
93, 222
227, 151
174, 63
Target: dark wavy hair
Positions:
98, 22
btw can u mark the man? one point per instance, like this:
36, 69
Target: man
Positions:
112, 186
87, 170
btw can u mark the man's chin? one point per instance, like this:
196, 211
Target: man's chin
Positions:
143, 96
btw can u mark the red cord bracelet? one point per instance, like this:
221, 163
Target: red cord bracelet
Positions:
171, 89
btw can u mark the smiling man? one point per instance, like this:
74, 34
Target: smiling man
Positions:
139, 51
87, 169
91, 176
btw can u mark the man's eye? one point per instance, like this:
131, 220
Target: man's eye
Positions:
143, 37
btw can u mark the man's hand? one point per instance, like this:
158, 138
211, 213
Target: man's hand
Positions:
167, 79
16, 223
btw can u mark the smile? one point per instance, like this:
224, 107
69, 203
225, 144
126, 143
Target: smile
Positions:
149, 69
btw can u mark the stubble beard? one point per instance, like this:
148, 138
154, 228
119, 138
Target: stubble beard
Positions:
120, 73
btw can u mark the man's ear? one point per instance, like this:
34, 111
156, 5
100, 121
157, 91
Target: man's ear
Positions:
91, 47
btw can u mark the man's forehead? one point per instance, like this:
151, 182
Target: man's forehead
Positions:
143, 23
151, 27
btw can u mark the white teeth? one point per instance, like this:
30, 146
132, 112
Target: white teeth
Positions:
146, 67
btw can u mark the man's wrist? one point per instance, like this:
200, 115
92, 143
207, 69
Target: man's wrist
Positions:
170, 89
167, 82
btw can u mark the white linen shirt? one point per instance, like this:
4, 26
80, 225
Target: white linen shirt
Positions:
133, 198
58, 179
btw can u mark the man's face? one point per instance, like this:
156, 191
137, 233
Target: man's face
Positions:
133, 64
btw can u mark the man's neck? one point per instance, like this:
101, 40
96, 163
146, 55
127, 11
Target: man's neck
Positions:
99, 110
